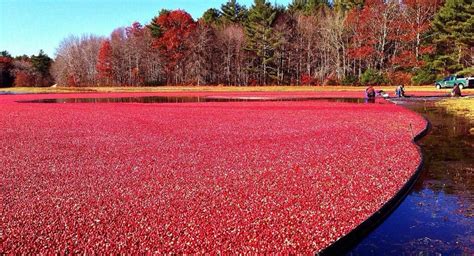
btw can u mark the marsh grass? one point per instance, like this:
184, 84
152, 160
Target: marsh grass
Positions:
459, 106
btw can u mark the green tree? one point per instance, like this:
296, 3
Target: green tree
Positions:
346, 5
41, 63
233, 12
372, 77
154, 26
453, 36
307, 6
5, 54
211, 16
6, 67
261, 40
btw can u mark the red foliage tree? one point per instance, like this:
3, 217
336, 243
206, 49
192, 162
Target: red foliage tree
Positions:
373, 27
307, 79
175, 29
413, 25
104, 62
24, 79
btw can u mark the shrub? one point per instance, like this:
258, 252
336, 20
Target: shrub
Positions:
372, 77
467, 72
307, 79
424, 76
331, 80
350, 80
400, 77
24, 79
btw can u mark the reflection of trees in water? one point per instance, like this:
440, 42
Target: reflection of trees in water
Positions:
449, 157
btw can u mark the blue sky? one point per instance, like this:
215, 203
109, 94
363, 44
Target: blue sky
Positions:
26, 26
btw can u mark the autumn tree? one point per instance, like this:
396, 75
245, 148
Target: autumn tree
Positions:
173, 30
203, 51
285, 27
335, 41
154, 26
104, 63
409, 46
418, 15
136, 50
309, 57
121, 65
231, 39
373, 29
76, 61
24, 72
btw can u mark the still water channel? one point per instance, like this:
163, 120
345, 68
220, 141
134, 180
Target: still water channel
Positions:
437, 217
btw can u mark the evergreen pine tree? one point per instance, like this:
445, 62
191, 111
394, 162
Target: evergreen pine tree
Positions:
261, 39
155, 28
233, 12
307, 6
346, 5
211, 16
41, 63
6, 66
5, 54
453, 36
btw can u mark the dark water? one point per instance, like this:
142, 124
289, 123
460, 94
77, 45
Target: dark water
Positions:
437, 217
8, 93
180, 99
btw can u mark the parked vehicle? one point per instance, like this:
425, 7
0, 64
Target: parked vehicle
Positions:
451, 81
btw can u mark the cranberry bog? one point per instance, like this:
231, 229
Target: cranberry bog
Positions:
196, 177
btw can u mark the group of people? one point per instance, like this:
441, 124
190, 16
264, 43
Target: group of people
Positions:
371, 93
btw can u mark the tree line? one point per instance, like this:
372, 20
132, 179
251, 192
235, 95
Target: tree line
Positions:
308, 42
24, 71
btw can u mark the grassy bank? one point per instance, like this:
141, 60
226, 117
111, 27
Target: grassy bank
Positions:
210, 89
460, 106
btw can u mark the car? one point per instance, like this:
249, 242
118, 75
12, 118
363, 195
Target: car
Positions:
453, 80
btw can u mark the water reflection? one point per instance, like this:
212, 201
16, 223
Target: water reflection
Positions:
437, 217
7, 93
189, 99
369, 100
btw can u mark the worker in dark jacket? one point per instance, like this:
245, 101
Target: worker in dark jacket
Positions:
370, 92
456, 92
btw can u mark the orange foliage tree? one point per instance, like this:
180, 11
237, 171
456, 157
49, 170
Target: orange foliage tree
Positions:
104, 62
